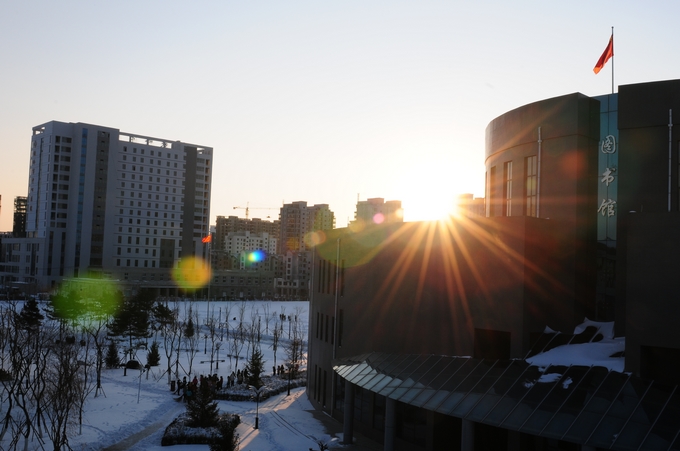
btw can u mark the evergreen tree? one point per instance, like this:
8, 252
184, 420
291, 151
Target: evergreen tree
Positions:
202, 407
163, 315
255, 368
65, 305
189, 330
228, 439
112, 360
153, 358
132, 320
30, 318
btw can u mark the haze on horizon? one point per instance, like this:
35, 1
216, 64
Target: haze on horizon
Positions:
314, 101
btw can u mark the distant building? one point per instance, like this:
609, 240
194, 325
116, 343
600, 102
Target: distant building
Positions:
377, 211
250, 250
297, 219
103, 203
19, 227
230, 224
471, 206
298, 224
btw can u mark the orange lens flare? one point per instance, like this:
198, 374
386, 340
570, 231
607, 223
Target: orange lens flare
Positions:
192, 273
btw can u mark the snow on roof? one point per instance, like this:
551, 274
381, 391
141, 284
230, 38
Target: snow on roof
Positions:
597, 353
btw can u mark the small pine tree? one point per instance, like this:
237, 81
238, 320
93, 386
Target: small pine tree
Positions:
153, 358
228, 439
202, 408
189, 329
30, 317
255, 367
112, 359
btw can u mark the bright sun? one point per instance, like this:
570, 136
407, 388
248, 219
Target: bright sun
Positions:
429, 191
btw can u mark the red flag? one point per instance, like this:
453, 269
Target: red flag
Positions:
608, 53
207, 239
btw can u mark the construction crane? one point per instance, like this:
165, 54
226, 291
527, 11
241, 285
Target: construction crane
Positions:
247, 209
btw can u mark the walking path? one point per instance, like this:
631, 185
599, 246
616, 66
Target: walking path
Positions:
277, 422
163, 422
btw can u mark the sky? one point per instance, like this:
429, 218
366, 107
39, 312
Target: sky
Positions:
317, 101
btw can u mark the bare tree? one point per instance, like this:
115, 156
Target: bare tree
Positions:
227, 315
276, 334
295, 346
87, 360
266, 312
241, 313
191, 336
63, 384
212, 323
171, 331
238, 338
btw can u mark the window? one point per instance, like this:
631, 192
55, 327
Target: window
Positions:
507, 188
492, 191
531, 186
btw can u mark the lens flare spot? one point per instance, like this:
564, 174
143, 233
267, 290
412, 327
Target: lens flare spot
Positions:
293, 244
357, 226
313, 239
256, 256
378, 218
192, 273
86, 299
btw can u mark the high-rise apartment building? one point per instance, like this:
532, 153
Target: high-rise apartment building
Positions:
19, 226
250, 250
377, 211
297, 222
229, 224
117, 204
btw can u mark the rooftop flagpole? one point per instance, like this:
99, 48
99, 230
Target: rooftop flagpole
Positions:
606, 56
612, 60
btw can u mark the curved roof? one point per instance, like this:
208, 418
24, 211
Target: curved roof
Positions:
580, 404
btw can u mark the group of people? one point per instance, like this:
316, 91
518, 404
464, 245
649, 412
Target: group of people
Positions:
237, 377
188, 389
278, 370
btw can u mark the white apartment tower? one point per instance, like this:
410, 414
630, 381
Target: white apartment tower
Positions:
240, 246
118, 204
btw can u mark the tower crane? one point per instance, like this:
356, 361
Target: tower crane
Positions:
247, 209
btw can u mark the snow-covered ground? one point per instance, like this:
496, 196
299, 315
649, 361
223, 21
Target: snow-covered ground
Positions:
285, 422
135, 409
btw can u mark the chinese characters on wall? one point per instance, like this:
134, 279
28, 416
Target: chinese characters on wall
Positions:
607, 205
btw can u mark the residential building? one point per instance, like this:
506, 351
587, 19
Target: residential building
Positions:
229, 224
104, 203
301, 228
19, 226
377, 211
469, 205
248, 250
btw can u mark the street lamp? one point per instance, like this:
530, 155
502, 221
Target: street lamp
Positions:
257, 404
218, 345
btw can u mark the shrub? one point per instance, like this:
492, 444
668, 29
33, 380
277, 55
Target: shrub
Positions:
202, 408
228, 438
180, 433
153, 357
112, 360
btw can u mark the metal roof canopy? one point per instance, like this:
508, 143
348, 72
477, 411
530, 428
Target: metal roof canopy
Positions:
587, 405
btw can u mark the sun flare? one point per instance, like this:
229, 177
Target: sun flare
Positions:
429, 190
